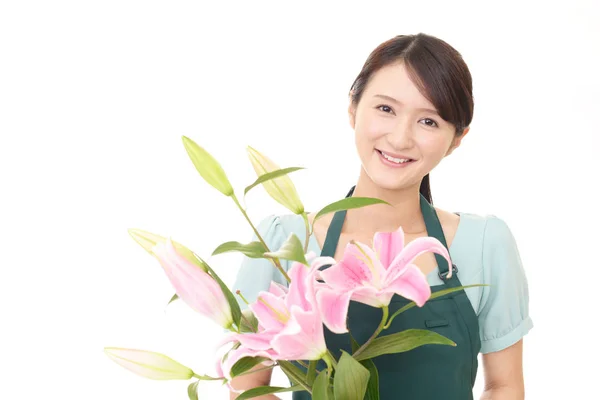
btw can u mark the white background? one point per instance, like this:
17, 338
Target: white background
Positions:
94, 99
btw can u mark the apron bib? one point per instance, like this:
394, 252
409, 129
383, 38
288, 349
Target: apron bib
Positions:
429, 372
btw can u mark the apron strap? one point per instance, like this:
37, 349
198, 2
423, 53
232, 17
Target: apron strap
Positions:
334, 231
434, 228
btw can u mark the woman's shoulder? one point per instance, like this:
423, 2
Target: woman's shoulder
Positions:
276, 228
481, 245
277, 223
490, 230
470, 230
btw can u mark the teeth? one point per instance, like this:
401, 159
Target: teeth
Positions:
394, 159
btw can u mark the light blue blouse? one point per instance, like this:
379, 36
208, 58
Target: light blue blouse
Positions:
483, 249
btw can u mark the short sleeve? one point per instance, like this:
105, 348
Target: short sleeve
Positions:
504, 309
255, 274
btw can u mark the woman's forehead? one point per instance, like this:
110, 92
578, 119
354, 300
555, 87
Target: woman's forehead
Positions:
394, 83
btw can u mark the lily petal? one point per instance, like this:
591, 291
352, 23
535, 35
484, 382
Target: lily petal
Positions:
388, 245
302, 338
241, 352
353, 270
277, 289
299, 288
371, 296
413, 250
269, 310
366, 255
256, 341
320, 262
333, 307
411, 284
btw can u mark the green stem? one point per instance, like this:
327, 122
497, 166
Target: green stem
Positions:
433, 296
239, 293
381, 326
256, 370
400, 311
207, 378
329, 361
305, 217
274, 260
332, 359
312, 372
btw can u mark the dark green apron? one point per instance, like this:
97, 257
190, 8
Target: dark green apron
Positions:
430, 372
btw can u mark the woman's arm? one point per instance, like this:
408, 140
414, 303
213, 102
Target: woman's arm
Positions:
249, 381
503, 374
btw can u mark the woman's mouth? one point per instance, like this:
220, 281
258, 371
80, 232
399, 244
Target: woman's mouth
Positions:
394, 160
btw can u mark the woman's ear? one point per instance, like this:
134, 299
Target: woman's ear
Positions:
457, 140
351, 113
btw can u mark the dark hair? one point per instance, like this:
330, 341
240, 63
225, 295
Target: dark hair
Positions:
437, 69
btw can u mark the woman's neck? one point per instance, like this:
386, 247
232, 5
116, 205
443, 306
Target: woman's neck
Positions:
405, 210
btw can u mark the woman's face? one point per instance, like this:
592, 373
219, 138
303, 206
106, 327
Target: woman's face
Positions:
399, 135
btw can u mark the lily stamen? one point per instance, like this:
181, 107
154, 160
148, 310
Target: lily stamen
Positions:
281, 317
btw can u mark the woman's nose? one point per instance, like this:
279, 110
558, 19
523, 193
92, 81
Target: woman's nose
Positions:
401, 136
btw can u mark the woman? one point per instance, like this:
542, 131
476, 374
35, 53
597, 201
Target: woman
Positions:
411, 106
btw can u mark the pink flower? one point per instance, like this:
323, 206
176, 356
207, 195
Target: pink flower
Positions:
193, 285
290, 326
373, 276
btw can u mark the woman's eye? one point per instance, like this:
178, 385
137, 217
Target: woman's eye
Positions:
384, 108
430, 122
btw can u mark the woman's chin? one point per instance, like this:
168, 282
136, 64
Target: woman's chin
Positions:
390, 183
387, 178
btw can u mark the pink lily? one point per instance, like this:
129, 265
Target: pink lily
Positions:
290, 325
193, 285
373, 276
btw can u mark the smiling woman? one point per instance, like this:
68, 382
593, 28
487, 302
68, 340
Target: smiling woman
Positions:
410, 106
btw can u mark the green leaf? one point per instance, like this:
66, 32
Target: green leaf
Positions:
253, 249
260, 390
193, 390
175, 297
401, 342
208, 167
236, 312
347, 204
353, 343
373, 385
294, 373
271, 175
249, 321
351, 378
245, 364
292, 249
433, 296
320, 388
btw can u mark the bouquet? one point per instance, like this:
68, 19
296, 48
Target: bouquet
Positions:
284, 326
